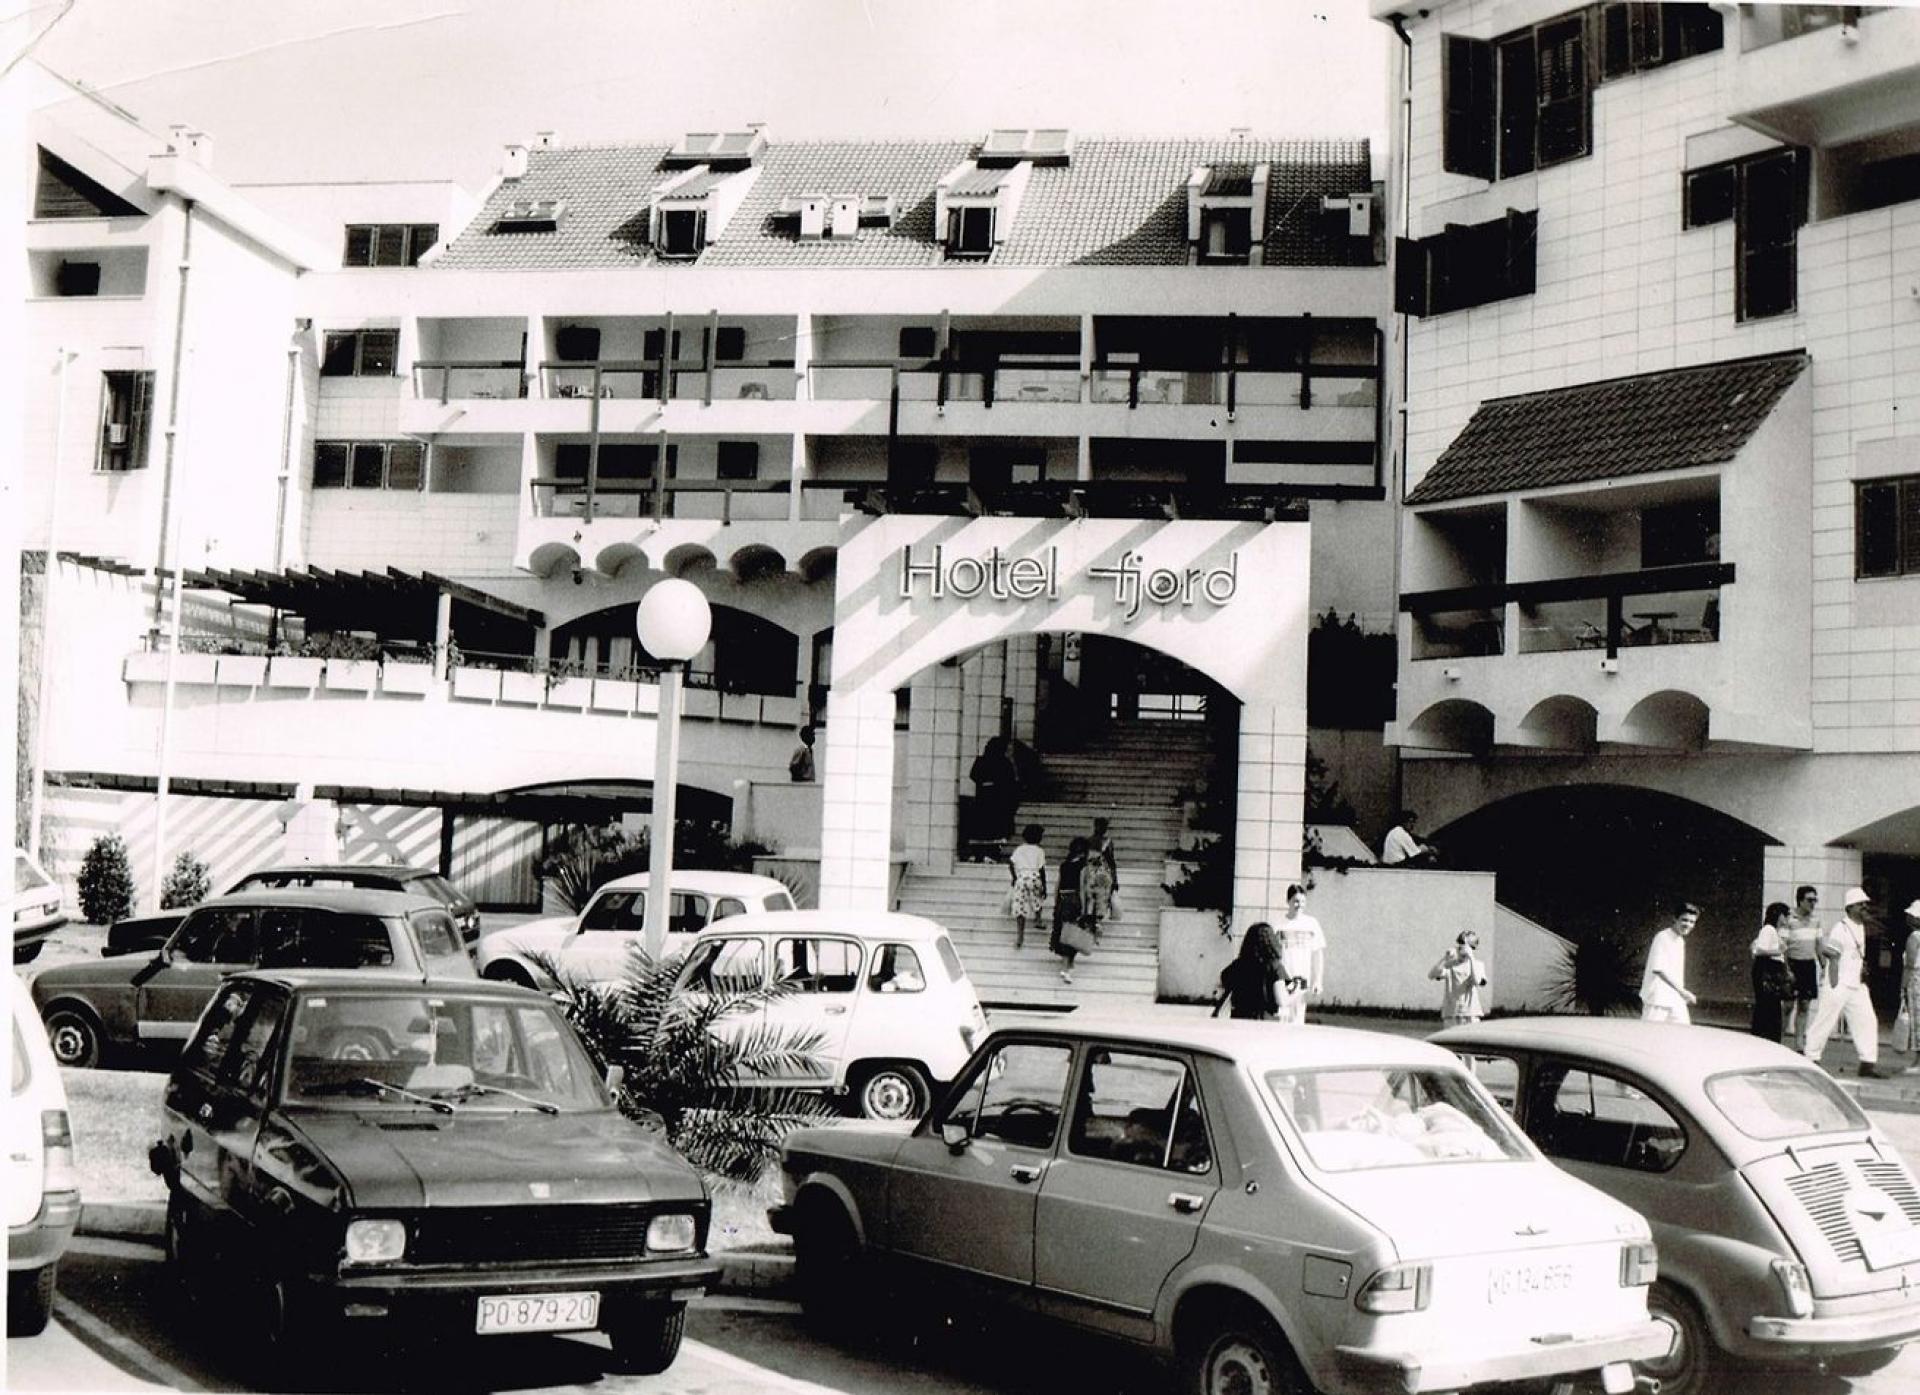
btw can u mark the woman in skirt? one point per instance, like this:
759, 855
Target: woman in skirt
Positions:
1028, 868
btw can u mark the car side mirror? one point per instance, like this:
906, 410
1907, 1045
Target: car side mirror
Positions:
954, 1136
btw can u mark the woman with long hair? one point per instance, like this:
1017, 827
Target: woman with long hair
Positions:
1248, 980
1772, 979
1066, 904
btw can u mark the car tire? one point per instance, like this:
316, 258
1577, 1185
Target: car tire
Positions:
27, 953
830, 1270
646, 1338
894, 1091
1686, 1369
75, 1036
1241, 1352
30, 1300
506, 971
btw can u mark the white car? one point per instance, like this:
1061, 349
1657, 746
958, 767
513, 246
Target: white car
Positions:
42, 1187
37, 907
886, 992
593, 946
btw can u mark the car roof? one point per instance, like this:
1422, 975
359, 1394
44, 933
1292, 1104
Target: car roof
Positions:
351, 980
1260, 1046
370, 900
694, 879
396, 870
1669, 1052
871, 925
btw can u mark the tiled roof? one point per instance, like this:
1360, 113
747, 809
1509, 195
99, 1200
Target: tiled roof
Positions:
977, 182
1119, 202
1671, 420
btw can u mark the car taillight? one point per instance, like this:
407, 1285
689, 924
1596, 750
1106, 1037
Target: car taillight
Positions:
60, 1179
1639, 1264
1399, 1288
1792, 1279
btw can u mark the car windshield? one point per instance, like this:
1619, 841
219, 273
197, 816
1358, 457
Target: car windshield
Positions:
1784, 1103
352, 1048
439, 888
1355, 1117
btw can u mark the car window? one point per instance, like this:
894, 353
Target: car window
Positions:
781, 900
1792, 1103
1139, 1109
616, 910
439, 936
728, 905
1351, 1118
949, 960
307, 938
220, 935
211, 1040
689, 914
816, 964
1500, 1074
1579, 1115
251, 1055
896, 969
1016, 1095
725, 966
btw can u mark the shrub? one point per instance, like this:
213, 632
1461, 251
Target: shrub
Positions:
1599, 976
106, 880
188, 883
588, 856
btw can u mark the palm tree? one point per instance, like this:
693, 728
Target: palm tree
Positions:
689, 1062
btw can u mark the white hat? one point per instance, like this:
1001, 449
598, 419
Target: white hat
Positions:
1913, 908
1855, 897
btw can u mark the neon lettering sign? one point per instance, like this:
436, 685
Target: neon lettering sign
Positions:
1003, 578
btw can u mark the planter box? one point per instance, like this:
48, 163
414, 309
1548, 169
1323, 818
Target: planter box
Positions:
406, 678
615, 695
1193, 951
477, 684
527, 689
238, 670
570, 692
352, 675
294, 671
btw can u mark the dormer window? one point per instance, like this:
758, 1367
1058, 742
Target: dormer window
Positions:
683, 231
530, 215
1226, 214
970, 230
1009, 146
1226, 235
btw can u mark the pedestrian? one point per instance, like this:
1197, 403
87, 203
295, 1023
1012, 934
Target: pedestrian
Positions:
800, 763
1803, 962
995, 790
1097, 881
1663, 988
1402, 848
1066, 907
1773, 985
1247, 983
1843, 955
1462, 974
1906, 1026
1303, 957
1028, 870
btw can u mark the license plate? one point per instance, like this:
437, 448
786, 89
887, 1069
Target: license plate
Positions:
538, 1312
1508, 1282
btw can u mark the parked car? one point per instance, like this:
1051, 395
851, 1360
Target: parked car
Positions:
1789, 1229
98, 1011
344, 1151
1273, 1208
884, 993
38, 910
594, 944
133, 934
42, 1188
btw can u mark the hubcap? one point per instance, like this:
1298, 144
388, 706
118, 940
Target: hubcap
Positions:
69, 1042
1240, 1368
889, 1097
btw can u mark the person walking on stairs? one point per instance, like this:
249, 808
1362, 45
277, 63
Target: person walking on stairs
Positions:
1028, 870
1068, 928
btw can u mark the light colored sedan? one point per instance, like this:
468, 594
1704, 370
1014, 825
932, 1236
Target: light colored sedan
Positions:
1272, 1208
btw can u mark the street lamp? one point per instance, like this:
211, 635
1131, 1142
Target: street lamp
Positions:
673, 623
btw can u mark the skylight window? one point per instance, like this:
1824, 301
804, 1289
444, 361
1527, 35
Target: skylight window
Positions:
530, 215
1050, 145
721, 149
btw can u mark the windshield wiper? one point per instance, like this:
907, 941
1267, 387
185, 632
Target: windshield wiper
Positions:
476, 1087
382, 1087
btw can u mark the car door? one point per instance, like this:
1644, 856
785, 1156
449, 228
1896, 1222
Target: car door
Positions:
240, 1099
192, 1096
819, 979
970, 1205
597, 950
1609, 1130
726, 966
170, 992
1134, 1180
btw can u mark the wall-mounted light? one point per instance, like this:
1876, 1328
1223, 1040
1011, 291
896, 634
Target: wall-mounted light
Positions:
1452, 675
1609, 665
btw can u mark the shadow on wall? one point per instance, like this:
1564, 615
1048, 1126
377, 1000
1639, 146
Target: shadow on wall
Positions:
1597, 858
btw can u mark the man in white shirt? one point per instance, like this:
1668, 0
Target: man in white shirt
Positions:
1843, 955
1663, 988
1303, 958
1401, 848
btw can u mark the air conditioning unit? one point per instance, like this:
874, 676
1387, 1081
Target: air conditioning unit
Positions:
116, 433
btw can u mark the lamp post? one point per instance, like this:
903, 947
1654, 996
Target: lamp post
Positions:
673, 623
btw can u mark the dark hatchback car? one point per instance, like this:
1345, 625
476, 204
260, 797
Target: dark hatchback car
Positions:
101, 1011
344, 1152
136, 933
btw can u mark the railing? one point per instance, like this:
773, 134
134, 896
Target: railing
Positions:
1605, 613
317, 647
1090, 499
639, 379
1060, 380
644, 498
555, 669
466, 380
1762, 26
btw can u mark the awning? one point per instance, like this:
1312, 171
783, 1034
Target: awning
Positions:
342, 600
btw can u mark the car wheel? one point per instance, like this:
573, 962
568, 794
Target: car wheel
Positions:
506, 971
892, 1092
1684, 1370
1242, 1353
357, 1044
30, 1301
647, 1338
74, 1036
829, 1269
27, 953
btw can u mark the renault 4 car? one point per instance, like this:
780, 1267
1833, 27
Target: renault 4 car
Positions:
42, 1185
1789, 1228
1271, 1208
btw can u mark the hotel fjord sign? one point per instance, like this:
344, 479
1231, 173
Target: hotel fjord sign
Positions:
997, 576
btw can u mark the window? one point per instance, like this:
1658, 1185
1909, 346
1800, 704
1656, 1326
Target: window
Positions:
918, 341
1638, 36
308, 939
616, 910
970, 231
249, 1062
388, 244
369, 465
1887, 527
217, 1030
738, 460
729, 344
1226, 235
439, 936
1584, 1116
360, 353
530, 215
725, 966
77, 278
1767, 218
1467, 265
1500, 1074
1773, 1104
1711, 195
619, 460
125, 406
896, 969
1519, 102
816, 965
221, 936
1015, 1095
653, 343
1359, 1117
1140, 1110
726, 906
683, 231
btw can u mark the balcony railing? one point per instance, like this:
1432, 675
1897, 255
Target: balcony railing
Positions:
640, 379
1133, 385
643, 498
1762, 26
470, 379
1606, 613
1080, 499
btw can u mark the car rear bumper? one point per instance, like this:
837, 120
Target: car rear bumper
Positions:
39, 1242
29, 935
1840, 1335
1414, 1372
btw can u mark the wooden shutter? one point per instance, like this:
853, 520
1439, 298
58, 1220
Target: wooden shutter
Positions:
1411, 288
1566, 97
1766, 221
1467, 95
1519, 104
336, 360
359, 250
1876, 523
1711, 194
1520, 243
406, 461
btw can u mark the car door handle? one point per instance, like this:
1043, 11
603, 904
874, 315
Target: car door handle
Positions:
1186, 1202
835, 1011
1025, 1172
204, 1112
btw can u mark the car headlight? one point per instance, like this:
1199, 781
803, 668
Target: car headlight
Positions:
1639, 1264
1792, 1279
1399, 1288
375, 1242
670, 1234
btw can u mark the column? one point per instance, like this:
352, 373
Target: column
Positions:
856, 820
1271, 784
933, 770
1023, 683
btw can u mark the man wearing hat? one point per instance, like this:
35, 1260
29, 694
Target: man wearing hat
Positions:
1843, 955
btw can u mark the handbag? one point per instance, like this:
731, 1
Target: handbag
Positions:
1075, 936
1776, 979
1903, 1027
1113, 907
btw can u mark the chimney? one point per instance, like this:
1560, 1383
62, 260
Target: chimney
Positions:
513, 162
543, 140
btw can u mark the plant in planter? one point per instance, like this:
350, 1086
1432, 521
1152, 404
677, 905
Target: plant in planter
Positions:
188, 883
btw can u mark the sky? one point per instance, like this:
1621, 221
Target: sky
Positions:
395, 89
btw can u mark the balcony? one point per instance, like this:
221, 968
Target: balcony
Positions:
1809, 82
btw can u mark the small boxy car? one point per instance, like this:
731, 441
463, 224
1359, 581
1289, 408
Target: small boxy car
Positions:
1789, 1229
1275, 1208
42, 1188
37, 907
349, 1149
593, 946
98, 1011
884, 993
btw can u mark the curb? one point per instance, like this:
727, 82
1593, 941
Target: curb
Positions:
762, 1271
